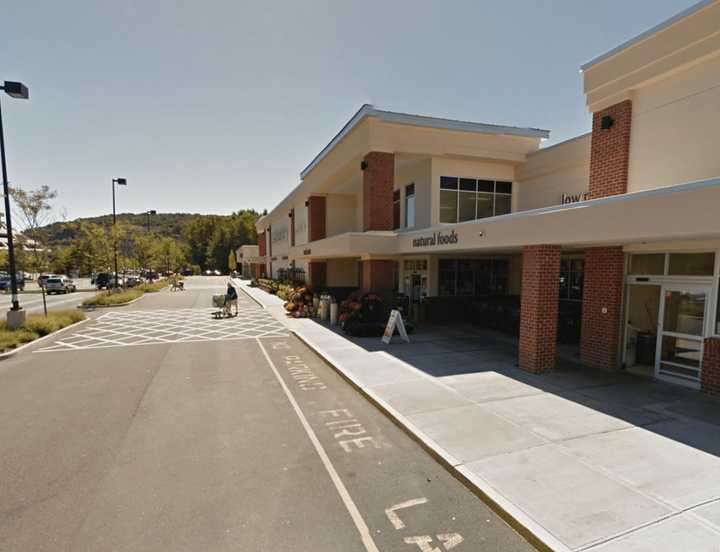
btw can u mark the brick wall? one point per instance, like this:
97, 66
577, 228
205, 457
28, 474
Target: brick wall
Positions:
316, 218
710, 376
317, 271
602, 307
378, 181
378, 276
262, 244
610, 151
539, 308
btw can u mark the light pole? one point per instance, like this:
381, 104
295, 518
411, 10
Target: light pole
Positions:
119, 182
16, 316
150, 212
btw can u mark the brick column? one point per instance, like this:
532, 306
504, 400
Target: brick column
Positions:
539, 308
262, 245
610, 151
710, 375
602, 307
316, 218
317, 271
378, 182
378, 277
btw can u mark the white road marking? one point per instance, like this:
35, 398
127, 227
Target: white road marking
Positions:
162, 326
423, 542
352, 509
394, 518
450, 540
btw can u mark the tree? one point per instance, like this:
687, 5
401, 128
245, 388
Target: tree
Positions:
91, 249
169, 254
232, 263
34, 209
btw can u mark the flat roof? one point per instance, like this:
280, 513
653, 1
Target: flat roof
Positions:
368, 110
642, 36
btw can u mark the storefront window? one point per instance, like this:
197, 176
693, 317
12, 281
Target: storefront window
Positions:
410, 206
469, 277
396, 209
448, 199
466, 205
647, 263
691, 264
571, 279
463, 199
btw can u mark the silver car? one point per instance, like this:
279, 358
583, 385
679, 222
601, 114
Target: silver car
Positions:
59, 284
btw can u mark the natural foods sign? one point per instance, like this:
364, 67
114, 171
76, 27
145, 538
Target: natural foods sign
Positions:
436, 239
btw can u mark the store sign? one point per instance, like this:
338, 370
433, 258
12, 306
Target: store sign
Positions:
574, 198
395, 321
437, 238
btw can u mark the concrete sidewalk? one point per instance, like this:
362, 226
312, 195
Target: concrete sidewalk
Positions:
584, 460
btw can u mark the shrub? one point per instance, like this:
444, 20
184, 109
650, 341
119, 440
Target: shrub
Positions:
37, 325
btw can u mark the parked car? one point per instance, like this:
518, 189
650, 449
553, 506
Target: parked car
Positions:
5, 282
217, 272
133, 281
60, 284
186, 272
43, 278
106, 280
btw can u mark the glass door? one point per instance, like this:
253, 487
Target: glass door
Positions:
683, 317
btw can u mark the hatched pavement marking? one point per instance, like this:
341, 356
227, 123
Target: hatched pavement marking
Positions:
155, 327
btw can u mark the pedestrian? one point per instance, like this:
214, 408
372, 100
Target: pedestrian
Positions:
231, 298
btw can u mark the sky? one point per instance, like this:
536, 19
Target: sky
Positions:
211, 106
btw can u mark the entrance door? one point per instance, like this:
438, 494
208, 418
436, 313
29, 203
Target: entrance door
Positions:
683, 314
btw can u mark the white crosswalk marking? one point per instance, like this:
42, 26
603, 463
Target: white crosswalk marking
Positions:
132, 328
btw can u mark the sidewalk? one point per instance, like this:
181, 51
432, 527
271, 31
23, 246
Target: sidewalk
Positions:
584, 460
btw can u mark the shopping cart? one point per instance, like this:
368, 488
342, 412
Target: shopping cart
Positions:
221, 303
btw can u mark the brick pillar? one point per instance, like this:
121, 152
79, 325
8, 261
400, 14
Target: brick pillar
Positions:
539, 307
710, 375
317, 271
262, 245
602, 307
378, 276
378, 182
316, 218
610, 151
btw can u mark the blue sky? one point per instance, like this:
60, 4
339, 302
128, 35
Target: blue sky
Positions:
215, 105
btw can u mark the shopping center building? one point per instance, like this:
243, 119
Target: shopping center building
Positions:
609, 242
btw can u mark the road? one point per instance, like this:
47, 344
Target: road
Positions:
32, 302
156, 428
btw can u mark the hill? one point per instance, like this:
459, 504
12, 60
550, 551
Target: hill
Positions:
163, 224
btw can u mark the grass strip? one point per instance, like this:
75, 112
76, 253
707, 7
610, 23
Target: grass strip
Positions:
37, 325
118, 297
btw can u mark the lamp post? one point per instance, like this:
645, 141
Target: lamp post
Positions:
16, 316
119, 182
150, 212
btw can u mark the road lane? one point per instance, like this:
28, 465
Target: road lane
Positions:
197, 446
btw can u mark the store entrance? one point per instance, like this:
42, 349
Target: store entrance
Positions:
683, 313
665, 329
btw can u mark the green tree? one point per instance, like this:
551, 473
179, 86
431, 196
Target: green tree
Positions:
232, 263
34, 208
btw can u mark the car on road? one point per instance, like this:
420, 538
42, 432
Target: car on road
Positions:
107, 280
60, 284
5, 282
42, 279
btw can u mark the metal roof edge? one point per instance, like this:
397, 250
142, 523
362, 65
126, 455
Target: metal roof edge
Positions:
642, 36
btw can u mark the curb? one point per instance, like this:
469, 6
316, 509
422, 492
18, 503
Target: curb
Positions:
13, 352
536, 535
93, 307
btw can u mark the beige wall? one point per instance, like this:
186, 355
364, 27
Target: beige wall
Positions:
341, 214
419, 173
550, 173
444, 166
342, 272
675, 135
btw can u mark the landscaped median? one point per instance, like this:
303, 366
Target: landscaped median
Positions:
36, 326
117, 298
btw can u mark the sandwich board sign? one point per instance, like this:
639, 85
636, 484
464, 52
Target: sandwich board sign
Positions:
395, 321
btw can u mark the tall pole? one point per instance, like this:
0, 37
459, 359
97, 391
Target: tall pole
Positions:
8, 222
115, 282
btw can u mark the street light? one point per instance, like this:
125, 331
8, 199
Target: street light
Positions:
16, 316
119, 182
150, 212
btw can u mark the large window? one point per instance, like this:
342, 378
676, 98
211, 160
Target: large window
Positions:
396, 209
672, 264
472, 277
410, 206
463, 199
571, 279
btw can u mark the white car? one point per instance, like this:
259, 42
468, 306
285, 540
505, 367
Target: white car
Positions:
59, 284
